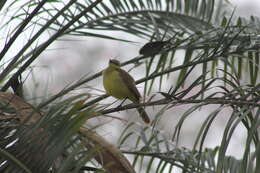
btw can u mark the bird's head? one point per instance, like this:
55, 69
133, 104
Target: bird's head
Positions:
114, 62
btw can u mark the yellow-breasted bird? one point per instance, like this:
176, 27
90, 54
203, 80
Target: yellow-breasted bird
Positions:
119, 84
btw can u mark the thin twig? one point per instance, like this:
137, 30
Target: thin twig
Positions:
208, 101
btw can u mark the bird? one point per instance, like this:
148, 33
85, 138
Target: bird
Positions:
121, 85
152, 48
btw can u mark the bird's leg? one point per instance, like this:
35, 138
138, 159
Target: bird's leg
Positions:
121, 103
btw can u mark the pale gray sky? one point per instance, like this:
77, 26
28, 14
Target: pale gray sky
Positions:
247, 7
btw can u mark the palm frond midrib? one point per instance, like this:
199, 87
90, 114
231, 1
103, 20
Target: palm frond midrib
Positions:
133, 17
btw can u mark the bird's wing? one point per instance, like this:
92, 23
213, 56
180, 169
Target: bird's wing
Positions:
130, 83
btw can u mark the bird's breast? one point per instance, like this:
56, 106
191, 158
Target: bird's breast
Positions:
114, 85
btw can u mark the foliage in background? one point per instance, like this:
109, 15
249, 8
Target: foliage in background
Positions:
221, 47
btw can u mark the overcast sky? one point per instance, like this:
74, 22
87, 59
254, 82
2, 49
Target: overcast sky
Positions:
247, 7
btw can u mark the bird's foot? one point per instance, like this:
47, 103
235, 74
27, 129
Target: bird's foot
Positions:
119, 106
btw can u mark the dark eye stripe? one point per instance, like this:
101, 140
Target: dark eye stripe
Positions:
116, 62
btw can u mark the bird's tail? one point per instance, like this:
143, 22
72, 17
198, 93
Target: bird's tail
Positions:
143, 115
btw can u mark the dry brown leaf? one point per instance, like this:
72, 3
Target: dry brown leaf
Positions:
22, 108
109, 156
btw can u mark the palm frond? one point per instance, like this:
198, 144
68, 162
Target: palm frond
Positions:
165, 156
37, 144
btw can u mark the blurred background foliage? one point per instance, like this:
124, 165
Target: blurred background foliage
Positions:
198, 72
